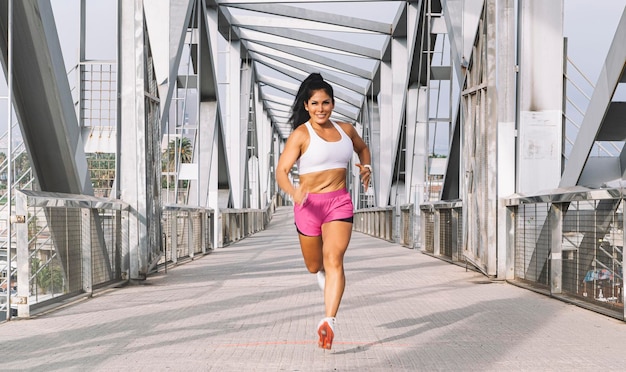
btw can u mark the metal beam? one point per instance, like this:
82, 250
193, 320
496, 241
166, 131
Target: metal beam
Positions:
316, 15
42, 99
326, 42
334, 62
608, 79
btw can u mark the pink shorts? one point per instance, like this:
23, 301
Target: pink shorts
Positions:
318, 209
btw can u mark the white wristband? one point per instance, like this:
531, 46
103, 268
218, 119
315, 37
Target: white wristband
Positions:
368, 167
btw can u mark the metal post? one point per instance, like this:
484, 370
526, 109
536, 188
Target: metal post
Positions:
190, 234
555, 218
87, 264
436, 232
10, 153
174, 237
621, 209
23, 258
510, 226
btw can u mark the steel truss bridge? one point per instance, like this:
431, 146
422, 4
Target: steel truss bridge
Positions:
490, 146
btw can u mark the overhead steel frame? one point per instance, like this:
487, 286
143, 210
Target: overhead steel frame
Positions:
371, 79
230, 88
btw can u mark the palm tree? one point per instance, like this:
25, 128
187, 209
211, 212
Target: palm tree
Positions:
21, 166
3, 171
179, 150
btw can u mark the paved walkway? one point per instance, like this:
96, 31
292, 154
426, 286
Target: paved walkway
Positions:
253, 307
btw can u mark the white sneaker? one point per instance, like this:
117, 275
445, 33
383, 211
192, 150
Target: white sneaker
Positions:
321, 279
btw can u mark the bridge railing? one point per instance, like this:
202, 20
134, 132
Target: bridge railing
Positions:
67, 246
378, 222
187, 232
435, 227
569, 245
240, 223
442, 229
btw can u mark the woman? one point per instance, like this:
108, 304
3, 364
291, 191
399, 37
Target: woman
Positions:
323, 209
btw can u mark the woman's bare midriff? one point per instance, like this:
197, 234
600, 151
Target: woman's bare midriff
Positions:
324, 181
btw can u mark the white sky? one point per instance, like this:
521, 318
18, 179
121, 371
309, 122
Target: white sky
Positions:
101, 30
589, 27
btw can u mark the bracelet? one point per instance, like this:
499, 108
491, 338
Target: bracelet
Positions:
368, 167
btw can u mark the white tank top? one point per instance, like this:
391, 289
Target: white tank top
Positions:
323, 155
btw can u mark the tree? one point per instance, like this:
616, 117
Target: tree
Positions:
102, 172
48, 277
21, 167
179, 150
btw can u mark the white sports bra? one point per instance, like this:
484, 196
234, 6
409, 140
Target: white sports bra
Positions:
323, 155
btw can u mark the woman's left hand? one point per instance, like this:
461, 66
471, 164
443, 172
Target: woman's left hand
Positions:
366, 175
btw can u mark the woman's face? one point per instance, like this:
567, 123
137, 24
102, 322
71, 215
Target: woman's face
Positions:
319, 106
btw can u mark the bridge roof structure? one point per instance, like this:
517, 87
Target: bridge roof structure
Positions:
343, 40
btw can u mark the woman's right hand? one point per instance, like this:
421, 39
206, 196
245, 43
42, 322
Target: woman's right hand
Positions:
299, 195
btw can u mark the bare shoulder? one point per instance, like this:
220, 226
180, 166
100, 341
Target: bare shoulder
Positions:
299, 135
347, 127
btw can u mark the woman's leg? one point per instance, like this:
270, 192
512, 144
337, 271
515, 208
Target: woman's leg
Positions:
336, 236
312, 252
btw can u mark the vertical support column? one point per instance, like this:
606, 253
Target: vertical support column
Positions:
132, 142
423, 227
203, 232
416, 150
457, 255
621, 210
505, 81
122, 246
509, 235
174, 236
276, 151
218, 238
208, 149
191, 237
555, 221
86, 250
392, 101
212, 116
23, 258
490, 139
249, 158
235, 133
263, 137
436, 232
375, 145
9, 69
264, 141
416, 143
540, 95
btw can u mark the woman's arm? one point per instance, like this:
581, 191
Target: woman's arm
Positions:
287, 159
362, 151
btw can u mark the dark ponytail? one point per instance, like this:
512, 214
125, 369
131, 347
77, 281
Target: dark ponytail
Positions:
313, 82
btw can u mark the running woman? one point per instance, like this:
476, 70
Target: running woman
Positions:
323, 209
